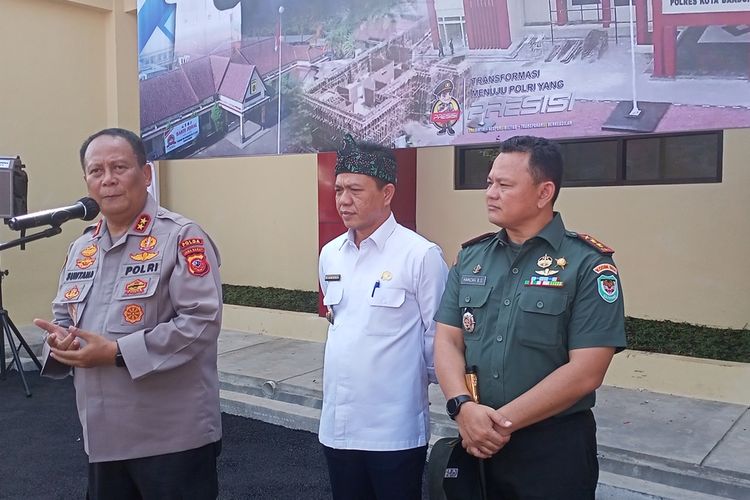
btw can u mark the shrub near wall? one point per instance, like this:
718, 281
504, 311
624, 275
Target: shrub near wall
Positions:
665, 337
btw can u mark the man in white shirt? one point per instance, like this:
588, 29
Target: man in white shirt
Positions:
382, 285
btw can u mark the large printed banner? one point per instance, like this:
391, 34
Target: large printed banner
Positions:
703, 6
258, 77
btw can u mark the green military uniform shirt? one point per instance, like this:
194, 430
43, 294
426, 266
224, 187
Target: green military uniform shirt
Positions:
521, 313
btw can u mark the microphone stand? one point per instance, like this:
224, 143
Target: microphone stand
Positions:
8, 328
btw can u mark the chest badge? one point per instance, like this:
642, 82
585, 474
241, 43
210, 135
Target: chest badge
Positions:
545, 262
85, 262
386, 276
89, 251
561, 262
468, 320
72, 293
133, 313
148, 243
135, 287
476, 269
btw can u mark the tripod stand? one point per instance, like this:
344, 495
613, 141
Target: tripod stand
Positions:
8, 330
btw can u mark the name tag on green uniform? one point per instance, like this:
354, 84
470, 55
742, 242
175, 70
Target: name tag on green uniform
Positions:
473, 280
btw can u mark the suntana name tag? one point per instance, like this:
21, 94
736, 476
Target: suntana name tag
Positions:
333, 277
473, 280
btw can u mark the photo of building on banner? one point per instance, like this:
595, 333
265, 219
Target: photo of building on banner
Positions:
259, 77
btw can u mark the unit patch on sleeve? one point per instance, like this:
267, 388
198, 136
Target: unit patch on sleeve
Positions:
605, 267
191, 242
196, 261
607, 287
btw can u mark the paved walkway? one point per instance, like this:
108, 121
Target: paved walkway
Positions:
652, 445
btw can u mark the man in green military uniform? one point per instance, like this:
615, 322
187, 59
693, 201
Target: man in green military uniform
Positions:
539, 311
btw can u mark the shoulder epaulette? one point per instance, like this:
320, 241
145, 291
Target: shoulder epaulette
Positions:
587, 238
478, 239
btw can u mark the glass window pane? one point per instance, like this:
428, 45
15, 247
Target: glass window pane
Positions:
594, 161
642, 159
672, 158
475, 166
691, 157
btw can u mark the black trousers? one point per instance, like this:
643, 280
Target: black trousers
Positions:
554, 459
376, 475
183, 475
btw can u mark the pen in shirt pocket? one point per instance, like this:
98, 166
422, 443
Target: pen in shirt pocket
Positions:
375, 287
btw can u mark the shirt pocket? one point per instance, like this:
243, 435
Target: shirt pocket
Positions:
541, 318
134, 306
333, 295
473, 305
74, 296
386, 312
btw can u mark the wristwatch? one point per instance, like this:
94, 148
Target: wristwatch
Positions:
119, 360
453, 406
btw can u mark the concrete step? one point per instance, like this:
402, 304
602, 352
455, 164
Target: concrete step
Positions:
624, 475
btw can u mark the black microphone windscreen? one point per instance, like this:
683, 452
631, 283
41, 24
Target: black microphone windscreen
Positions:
91, 206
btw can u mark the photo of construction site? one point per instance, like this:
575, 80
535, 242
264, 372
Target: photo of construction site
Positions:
260, 77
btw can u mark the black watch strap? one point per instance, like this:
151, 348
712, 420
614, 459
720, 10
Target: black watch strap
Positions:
453, 406
119, 359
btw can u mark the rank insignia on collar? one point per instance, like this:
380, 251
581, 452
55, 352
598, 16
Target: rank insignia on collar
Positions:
143, 222
147, 243
85, 263
97, 228
89, 251
468, 320
133, 313
476, 269
72, 293
135, 287
143, 256
386, 276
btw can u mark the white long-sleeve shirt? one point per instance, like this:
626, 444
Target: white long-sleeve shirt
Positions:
379, 352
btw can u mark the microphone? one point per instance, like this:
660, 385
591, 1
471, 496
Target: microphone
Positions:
85, 208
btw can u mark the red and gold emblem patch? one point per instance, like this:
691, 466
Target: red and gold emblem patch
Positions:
89, 251
85, 263
197, 264
132, 313
148, 243
143, 222
72, 293
136, 287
